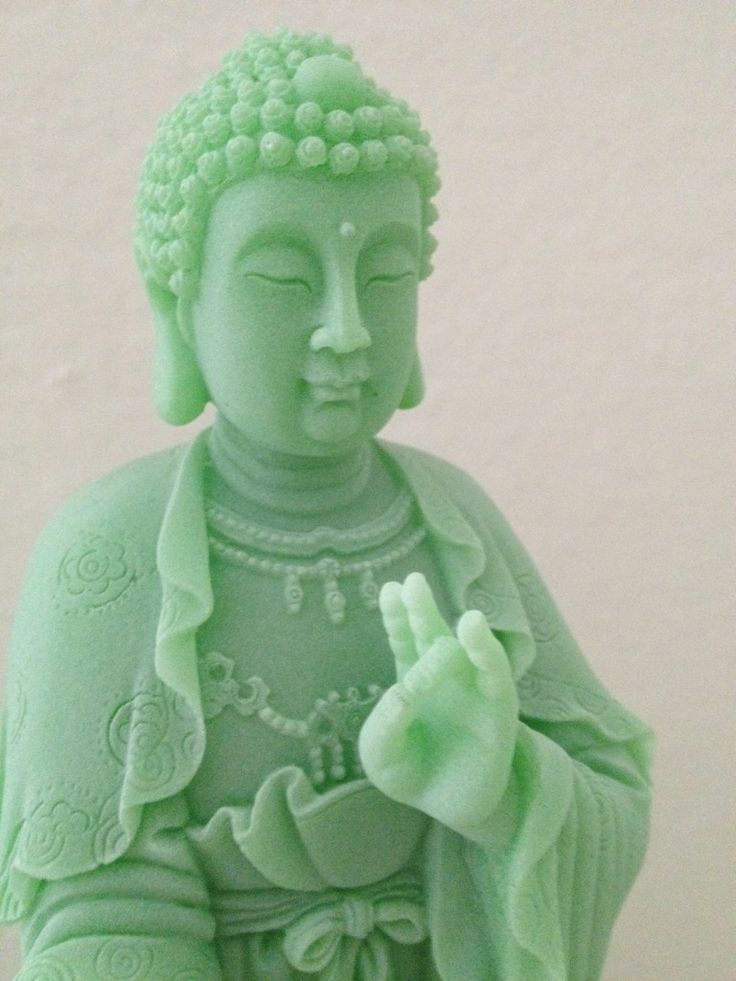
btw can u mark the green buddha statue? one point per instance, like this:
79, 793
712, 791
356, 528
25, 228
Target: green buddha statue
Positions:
291, 701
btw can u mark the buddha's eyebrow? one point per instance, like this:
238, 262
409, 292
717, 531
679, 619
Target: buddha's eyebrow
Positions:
277, 234
397, 232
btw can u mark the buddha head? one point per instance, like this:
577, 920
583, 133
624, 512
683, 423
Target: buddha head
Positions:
282, 229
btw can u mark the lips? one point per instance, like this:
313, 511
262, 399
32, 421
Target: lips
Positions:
335, 393
335, 378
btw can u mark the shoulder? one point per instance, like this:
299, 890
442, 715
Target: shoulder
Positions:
412, 459
81, 668
102, 540
134, 494
462, 489
471, 500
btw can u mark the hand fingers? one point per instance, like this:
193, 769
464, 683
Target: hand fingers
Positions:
389, 740
425, 619
392, 712
398, 630
484, 650
434, 669
382, 738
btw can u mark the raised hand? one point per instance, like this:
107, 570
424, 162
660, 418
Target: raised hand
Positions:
442, 738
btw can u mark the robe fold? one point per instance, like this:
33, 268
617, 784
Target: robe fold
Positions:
103, 726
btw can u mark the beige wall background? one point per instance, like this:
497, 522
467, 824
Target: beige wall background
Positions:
577, 334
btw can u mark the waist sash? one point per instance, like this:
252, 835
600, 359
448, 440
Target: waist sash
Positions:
339, 933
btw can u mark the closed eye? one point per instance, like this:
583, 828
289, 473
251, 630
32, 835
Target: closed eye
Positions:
390, 278
281, 280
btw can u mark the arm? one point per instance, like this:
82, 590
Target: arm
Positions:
97, 749
541, 823
146, 914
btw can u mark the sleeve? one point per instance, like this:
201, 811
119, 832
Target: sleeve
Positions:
93, 743
542, 888
536, 893
146, 915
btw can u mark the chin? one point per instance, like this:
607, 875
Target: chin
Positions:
335, 425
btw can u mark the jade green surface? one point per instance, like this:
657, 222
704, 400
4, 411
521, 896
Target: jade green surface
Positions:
290, 701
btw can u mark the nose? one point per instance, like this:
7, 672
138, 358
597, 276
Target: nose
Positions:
343, 331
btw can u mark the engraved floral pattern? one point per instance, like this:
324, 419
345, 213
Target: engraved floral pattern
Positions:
49, 828
47, 968
70, 830
538, 608
540, 697
491, 605
154, 735
124, 960
554, 699
137, 733
94, 572
110, 837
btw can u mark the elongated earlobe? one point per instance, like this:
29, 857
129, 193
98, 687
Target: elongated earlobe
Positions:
179, 391
414, 391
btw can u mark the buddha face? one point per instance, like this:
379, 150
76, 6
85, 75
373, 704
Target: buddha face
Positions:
305, 320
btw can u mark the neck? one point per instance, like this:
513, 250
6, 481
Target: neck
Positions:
269, 480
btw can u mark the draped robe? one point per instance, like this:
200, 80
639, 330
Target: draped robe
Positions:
104, 728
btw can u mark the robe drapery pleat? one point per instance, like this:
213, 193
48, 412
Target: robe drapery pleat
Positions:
104, 720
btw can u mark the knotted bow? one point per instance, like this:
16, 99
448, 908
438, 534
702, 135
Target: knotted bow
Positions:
350, 938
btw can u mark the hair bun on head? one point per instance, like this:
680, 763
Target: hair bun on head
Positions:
330, 81
281, 103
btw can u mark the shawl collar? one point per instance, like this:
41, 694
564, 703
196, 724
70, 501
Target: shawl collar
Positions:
474, 571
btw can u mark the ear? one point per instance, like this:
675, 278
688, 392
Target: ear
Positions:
178, 387
414, 391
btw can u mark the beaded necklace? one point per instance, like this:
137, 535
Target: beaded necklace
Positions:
297, 556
